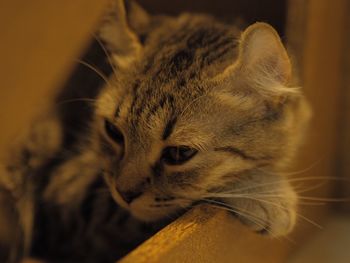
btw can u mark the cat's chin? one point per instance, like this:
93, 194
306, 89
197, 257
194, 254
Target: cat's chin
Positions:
141, 210
147, 216
146, 213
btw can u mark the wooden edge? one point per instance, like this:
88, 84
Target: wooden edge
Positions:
207, 234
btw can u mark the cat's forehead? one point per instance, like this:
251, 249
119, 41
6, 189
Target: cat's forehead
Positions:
152, 106
178, 59
155, 112
188, 47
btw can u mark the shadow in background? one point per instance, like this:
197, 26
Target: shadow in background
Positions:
270, 11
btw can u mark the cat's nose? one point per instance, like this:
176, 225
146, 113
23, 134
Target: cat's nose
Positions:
129, 196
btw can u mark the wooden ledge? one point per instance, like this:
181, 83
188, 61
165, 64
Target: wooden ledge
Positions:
208, 234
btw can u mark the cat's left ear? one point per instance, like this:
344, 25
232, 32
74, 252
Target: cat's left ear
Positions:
263, 63
121, 28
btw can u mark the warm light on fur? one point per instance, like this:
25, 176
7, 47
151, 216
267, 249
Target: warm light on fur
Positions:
186, 83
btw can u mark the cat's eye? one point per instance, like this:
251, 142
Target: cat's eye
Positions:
113, 132
175, 155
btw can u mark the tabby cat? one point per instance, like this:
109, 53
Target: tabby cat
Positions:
194, 111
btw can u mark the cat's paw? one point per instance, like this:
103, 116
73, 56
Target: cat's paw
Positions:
275, 218
273, 214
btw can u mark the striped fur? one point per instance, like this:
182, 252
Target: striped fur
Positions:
74, 194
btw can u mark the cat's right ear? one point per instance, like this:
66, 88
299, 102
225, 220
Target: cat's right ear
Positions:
263, 64
119, 31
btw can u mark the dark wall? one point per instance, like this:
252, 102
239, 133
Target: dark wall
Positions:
271, 11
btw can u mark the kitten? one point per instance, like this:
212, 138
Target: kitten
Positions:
194, 111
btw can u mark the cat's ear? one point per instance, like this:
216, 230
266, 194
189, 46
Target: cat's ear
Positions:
138, 18
263, 61
120, 28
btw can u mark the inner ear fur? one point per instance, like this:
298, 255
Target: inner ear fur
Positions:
262, 54
262, 67
119, 29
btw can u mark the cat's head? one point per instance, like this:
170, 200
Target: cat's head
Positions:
193, 106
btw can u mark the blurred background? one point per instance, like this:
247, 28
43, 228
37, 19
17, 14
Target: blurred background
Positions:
41, 40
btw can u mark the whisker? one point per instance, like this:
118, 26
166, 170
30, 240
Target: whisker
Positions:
243, 213
218, 195
106, 53
313, 178
302, 189
311, 203
311, 166
324, 199
309, 198
97, 71
251, 187
75, 100
298, 214
281, 207
234, 210
273, 194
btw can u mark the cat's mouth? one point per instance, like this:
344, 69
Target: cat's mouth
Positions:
148, 208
